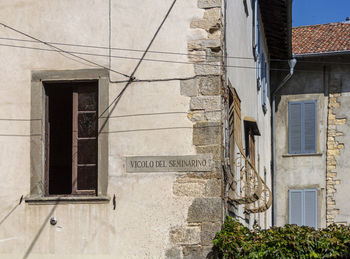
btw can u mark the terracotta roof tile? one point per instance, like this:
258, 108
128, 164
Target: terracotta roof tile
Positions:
330, 37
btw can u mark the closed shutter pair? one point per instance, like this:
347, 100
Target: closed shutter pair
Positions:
303, 207
302, 127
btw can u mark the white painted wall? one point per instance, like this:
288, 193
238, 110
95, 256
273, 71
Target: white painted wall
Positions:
241, 73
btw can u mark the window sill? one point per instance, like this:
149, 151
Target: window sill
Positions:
36, 200
306, 154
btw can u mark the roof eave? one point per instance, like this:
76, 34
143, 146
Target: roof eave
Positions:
319, 54
279, 41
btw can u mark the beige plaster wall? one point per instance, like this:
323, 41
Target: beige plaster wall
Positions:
300, 171
146, 208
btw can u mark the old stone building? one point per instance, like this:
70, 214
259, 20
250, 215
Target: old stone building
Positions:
312, 142
130, 129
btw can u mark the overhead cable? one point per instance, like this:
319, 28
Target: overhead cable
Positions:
162, 52
163, 61
61, 50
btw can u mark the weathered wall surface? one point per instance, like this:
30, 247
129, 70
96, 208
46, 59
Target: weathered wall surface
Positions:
157, 215
307, 170
242, 74
303, 171
338, 179
321, 80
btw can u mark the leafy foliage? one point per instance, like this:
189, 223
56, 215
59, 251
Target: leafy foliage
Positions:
290, 241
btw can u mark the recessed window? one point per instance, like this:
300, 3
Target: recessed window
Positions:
302, 127
251, 129
71, 141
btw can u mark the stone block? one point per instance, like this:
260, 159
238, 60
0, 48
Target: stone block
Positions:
205, 210
189, 187
214, 55
189, 87
185, 235
205, 175
215, 35
204, 4
174, 253
196, 116
197, 56
208, 232
210, 85
198, 252
213, 188
213, 149
340, 121
213, 116
204, 44
207, 103
214, 68
206, 133
211, 21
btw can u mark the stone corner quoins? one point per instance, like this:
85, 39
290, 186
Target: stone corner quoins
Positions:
333, 150
193, 238
209, 3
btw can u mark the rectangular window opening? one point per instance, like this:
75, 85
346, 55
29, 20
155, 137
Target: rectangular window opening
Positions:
71, 138
302, 127
303, 207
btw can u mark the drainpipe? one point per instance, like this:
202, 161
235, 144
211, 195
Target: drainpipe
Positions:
291, 63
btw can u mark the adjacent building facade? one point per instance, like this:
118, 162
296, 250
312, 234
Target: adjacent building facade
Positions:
312, 129
130, 129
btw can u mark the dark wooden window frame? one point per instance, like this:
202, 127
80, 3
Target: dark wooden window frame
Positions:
77, 88
251, 130
38, 150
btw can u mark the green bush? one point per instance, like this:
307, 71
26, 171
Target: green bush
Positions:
290, 241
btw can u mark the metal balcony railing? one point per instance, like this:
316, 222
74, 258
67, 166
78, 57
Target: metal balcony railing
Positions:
247, 187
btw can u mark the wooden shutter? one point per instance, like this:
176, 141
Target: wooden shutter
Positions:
296, 207
309, 136
310, 208
85, 139
295, 127
237, 120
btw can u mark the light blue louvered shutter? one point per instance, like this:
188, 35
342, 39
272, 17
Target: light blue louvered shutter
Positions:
295, 127
296, 207
258, 36
310, 207
310, 126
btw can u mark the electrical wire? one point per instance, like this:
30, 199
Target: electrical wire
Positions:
119, 57
163, 52
161, 60
60, 50
124, 49
132, 77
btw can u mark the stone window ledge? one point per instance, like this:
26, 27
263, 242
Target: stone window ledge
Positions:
306, 154
36, 200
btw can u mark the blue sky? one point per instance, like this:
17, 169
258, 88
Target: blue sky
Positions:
308, 12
